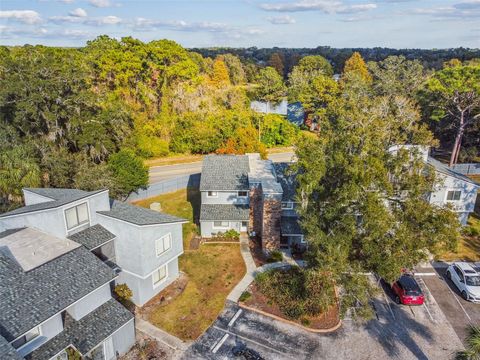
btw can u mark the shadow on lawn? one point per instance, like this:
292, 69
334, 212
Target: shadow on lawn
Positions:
194, 198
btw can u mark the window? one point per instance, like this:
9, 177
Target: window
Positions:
453, 195
32, 334
302, 240
163, 244
220, 224
76, 216
286, 205
212, 194
242, 194
159, 275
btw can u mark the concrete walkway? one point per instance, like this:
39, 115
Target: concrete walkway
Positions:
249, 275
162, 336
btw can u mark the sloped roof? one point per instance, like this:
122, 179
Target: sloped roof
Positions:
7, 352
290, 226
224, 173
287, 180
92, 237
444, 169
28, 298
62, 197
87, 332
138, 215
218, 212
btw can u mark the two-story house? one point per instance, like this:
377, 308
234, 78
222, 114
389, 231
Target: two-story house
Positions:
136, 246
55, 297
241, 192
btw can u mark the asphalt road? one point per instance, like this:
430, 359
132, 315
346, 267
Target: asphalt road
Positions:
160, 173
397, 332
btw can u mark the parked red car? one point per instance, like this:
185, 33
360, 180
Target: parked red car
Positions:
407, 291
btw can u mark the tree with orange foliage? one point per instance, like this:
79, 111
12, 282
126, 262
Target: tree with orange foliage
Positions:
244, 141
356, 65
220, 75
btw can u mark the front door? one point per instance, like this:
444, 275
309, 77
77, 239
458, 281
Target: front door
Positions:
244, 226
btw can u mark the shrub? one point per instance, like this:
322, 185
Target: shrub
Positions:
231, 234
245, 296
471, 231
123, 292
275, 256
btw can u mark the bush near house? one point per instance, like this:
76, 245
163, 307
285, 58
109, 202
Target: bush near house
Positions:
275, 256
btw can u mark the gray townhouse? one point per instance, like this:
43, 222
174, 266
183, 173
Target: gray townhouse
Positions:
63, 233
245, 193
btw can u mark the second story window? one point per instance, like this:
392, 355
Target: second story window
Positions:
242, 194
76, 216
163, 244
454, 195
286, 205
26, 338
212, 194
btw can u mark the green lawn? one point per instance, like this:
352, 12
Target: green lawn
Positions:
184, 203
213, 271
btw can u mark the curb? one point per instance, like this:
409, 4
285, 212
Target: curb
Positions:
275, 317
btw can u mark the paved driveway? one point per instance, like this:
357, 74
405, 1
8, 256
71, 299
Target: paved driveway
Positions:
459, 312
398, 332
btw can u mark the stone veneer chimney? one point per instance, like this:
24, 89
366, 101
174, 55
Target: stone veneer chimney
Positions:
272, 213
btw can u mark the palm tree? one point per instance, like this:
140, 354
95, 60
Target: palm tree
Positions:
472, 348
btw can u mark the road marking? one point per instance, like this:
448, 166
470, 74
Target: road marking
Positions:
235, 317
388, 304
220, 343
458, 301
411, 310
426, 274
252, 341
429, 313
428, 294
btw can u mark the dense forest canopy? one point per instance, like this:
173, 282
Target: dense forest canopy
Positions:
84, 117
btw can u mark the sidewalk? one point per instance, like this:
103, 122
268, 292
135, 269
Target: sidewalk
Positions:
171, 341
249, 275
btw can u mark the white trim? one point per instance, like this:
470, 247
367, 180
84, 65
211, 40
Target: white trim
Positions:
150, 273
454, 190
51, 208
221, 227
106, 242
224, 220
161, 281
289, 205
34, 193
130, 223
79, 225
68, 306
31, 340
169, 234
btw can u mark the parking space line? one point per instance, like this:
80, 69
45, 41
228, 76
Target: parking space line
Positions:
458, 301
429, 313
235, 317
252, 341
388, 304
220, 343
429, 293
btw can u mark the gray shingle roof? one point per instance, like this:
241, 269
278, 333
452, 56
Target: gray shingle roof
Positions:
444, 169
57, 193
217, 212
64, 197
224, 173
138, 215
86, 333
7, 352
290, 226
28, 298
92, 237
287, 180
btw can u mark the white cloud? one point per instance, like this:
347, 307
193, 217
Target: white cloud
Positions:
179, 25
326, 6
78, 12
94, 21
100, 3
67, 1
24, 16
105, 20
281, 20
459, 11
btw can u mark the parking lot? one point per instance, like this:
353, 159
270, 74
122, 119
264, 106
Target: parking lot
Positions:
399, 332
459, 312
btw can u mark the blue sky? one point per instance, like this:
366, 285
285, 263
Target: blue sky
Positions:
244, 23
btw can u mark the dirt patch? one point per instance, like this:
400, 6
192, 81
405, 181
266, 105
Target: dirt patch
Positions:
165, 297
147, 348
259, 257
326, 320
195, 243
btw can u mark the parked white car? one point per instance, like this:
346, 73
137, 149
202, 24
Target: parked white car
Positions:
466, 279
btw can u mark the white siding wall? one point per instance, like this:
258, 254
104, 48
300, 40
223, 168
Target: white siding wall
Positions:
207, 229
48, 330
32, 198
90, 302
224, 197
